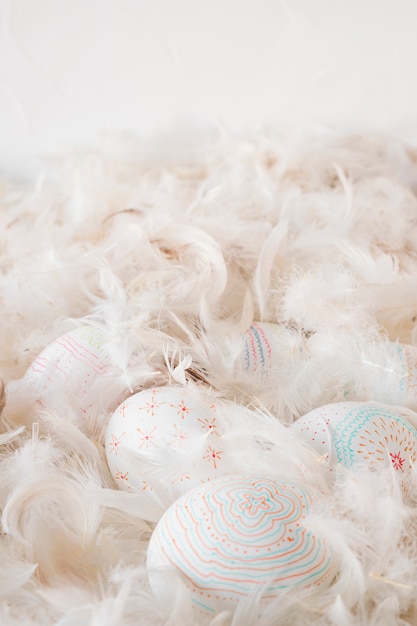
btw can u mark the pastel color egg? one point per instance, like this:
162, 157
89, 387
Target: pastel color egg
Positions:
408, 382
389, 374
259, 345
353, 433
71, 364
234, 537
262, 345
407, 385
164, 441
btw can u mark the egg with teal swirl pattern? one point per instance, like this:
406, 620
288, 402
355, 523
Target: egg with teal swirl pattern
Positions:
354, 433
236, 537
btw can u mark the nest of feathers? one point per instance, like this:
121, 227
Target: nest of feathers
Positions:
268, 275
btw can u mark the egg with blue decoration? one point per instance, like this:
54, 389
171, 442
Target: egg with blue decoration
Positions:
263, 346
387, 373
237, 537
357, 433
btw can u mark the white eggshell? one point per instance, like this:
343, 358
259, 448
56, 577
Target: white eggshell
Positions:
233, 537
262, 345
353, 433
408, 384
70, 365
258, 342
164, 441
389, 374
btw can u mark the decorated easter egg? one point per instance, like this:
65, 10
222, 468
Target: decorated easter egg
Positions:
235, 537
388, 374
164, 441
71, 365
407, 380
353, 433
261, 345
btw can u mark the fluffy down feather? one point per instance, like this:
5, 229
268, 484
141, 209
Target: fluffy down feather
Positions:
175, 247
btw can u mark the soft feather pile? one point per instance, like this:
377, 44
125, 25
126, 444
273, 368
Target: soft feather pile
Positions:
174, 245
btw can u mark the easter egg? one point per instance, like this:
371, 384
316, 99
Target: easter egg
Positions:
234, 537
388, 374
71, 365
262, 344
353, 433
163, 441
407, 380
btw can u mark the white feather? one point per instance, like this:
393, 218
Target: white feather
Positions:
274, 245
175, 245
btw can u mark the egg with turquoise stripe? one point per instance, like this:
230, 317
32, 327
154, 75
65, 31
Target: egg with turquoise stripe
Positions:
356, 433
263, 344
234, 537
387, 373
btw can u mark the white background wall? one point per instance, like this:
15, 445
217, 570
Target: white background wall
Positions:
70, 68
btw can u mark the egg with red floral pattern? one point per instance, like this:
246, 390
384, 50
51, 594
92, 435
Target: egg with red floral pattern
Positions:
163, 441
356, 433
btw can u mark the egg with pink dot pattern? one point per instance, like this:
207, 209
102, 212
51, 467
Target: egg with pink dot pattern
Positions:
235, 537
352, 433
70, 366
164, 441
